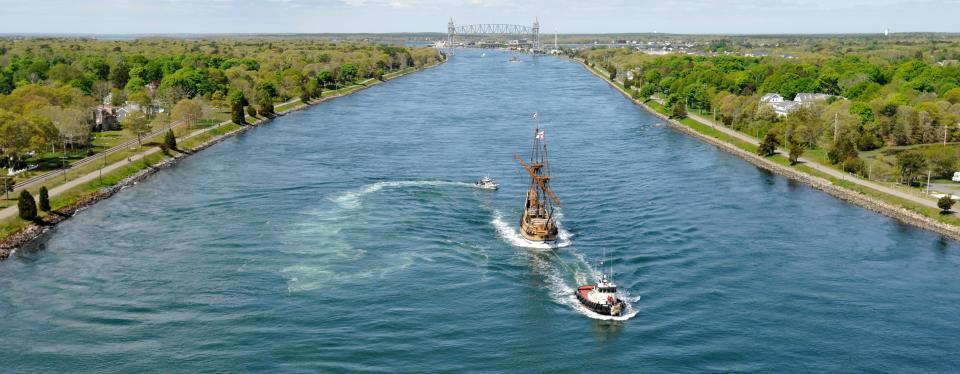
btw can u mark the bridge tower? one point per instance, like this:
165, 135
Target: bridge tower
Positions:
451, 30
536, 36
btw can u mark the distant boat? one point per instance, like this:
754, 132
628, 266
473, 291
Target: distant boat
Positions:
515, 59
538, 223
486, 184
483, 55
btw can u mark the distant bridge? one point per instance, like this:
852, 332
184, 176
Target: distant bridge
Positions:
496, 29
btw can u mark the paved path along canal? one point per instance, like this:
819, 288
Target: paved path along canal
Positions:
347, 237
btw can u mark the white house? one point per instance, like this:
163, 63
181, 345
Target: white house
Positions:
810, 98
771, 98
782, 108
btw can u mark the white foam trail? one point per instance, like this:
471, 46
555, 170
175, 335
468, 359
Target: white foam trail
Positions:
563, 294
351, 200
508, 234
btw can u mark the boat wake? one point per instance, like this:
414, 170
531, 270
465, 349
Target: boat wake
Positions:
562, 293
510, 235
351, 200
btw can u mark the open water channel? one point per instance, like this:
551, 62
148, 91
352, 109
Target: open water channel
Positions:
347, 238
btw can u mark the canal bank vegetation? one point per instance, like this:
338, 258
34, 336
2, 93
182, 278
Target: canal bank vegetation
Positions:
885, 109
846, 188
62, 100
184, 105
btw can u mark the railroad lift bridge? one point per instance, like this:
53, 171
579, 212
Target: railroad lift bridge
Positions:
527, 37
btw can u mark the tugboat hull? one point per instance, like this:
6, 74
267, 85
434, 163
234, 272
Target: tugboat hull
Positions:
615, 309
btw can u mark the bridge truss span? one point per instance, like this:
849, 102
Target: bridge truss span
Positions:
493, 29
531, 34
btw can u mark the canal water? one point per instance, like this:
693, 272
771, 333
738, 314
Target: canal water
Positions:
348, 237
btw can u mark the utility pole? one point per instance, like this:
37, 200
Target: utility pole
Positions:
103, 166
928, 182
63, 160
945, 127
555, 40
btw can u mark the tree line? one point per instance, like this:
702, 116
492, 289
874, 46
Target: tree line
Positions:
48, 86
878, 100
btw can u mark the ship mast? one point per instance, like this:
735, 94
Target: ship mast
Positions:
539, 171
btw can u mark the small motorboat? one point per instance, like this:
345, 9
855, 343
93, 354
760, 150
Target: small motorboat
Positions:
601, 298
515, 59
486, 184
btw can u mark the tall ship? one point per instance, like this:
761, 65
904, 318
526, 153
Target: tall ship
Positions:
538, 223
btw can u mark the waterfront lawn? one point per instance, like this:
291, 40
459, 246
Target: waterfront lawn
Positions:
13, 224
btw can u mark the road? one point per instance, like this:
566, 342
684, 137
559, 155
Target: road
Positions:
91, 176
42, 178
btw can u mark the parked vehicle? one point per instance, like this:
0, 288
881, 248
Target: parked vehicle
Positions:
956, 176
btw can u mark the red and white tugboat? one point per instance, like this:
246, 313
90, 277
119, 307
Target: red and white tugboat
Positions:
601, 297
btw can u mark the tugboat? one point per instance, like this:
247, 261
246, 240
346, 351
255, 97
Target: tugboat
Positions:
486, 184
601, 297
537, 224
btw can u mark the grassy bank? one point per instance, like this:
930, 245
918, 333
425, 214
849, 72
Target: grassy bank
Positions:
186, 145
703, 129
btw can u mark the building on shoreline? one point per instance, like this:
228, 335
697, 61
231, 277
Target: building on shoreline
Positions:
783, 107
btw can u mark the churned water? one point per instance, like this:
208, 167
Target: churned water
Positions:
348, 237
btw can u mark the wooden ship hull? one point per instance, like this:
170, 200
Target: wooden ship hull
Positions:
535, 224
538, 229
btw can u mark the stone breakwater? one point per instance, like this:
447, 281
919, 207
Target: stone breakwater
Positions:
9, 245
855, 197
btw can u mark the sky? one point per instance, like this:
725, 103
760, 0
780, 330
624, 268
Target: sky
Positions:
563, 16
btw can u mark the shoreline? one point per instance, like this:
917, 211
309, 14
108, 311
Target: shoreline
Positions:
896, 212
16, 240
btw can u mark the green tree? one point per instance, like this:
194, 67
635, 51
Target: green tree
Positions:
251, 111
853, 165
348, 72
911, 164
117, 97
264, 103
44, 199
170, 140
137, 124
768, 147
945, 203
145, 102
796, 151
189, 111
953, 96
26, 206
237, 101
7, 184
842, 150
119, 75
678, 110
